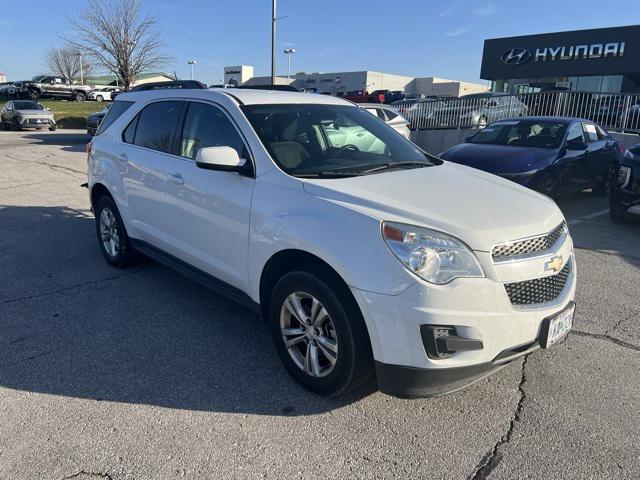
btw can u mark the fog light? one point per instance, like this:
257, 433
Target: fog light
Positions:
442, 341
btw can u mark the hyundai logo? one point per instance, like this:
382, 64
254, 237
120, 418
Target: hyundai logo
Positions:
516, 56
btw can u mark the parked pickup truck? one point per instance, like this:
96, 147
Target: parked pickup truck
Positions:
45, 86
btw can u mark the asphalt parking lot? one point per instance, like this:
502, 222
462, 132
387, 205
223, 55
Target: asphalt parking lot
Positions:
143, 374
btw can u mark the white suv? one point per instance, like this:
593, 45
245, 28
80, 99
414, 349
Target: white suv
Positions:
365, 255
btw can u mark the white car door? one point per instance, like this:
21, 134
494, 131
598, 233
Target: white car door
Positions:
207, 212
145, 162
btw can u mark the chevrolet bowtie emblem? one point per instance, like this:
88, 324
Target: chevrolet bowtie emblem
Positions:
554, 264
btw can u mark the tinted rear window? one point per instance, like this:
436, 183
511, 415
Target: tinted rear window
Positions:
117, 108
158, 125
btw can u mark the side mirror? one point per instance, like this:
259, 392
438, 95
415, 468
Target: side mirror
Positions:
224, 159
576, 145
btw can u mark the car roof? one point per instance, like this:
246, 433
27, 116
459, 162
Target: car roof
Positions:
241, 96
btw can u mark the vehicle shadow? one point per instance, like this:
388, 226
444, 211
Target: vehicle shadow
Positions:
71, 142
73, 326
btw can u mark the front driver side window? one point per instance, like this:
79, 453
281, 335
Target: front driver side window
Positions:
575, 133
207, 126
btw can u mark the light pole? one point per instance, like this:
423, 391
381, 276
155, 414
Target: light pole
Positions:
289, 52
274, 19
192, 63
79, 53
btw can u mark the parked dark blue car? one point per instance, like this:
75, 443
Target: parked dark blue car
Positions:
625, 187
552, 155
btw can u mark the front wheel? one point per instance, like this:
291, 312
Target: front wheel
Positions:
99, 98
53, 128
319, 332
112, 236
79, 97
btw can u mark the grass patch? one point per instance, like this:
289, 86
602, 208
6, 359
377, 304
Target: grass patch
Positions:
69, 114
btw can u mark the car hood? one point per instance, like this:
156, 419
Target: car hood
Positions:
478, 208
498, 158
33, 113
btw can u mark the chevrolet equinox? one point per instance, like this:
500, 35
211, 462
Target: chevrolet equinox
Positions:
367, 257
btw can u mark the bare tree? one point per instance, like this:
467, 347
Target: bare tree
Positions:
118, 36
65, 62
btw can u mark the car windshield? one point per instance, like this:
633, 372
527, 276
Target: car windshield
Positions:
522, 133
331, 140
27, 106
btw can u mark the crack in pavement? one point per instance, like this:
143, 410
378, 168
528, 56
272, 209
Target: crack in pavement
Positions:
84, 474
493, 458
71, 287
601, 336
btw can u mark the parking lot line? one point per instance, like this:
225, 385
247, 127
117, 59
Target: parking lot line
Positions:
575, 221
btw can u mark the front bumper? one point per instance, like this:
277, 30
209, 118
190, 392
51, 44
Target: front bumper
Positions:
35, 122
626, 201
478, 308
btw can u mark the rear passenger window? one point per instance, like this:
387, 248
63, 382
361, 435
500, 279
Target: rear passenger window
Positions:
117, 108
157, 126
207, 126
390, 115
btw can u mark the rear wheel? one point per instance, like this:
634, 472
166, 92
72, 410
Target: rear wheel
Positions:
99, 98
112, 236
547, 185
79, 97
319, 332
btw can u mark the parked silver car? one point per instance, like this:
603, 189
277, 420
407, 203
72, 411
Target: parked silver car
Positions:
478, 110
390, 115
19, 114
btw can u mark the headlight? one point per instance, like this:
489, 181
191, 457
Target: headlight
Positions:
434, 256
623, 177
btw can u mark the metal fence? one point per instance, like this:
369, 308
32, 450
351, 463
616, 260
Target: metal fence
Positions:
612, 111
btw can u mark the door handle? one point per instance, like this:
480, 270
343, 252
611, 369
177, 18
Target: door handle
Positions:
123, 157
176, 178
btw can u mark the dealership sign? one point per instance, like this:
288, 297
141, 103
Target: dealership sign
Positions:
519, 56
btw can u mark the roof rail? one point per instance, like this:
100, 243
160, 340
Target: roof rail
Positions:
184, 84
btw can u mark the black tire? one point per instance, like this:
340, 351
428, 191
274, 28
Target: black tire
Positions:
53, 128
125, 254
79, 97
354, 363
603, 187
616, 214
547, 186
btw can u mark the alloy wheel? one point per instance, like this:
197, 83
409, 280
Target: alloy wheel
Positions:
109, 233
309, 334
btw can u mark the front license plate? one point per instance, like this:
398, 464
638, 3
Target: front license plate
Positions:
556, 328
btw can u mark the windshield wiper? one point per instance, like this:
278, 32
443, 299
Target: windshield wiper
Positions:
329, 174
391, 166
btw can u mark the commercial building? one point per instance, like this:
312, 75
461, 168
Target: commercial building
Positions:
112, 81
603, 60
338, 83
3, 78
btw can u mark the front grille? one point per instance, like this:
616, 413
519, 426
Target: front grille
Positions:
539, 290
538, 244
34, 121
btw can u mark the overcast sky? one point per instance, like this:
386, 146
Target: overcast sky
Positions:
410, 37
